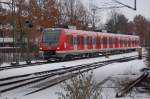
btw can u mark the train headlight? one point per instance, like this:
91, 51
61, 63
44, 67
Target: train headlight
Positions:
58, 48
40, 48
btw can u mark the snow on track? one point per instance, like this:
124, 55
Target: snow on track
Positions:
51, 66
100, 74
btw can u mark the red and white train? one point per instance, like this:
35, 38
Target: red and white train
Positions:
62, 43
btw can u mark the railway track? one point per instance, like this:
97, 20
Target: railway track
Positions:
22, 65
36, 63
95, 66
129, 87
52, 76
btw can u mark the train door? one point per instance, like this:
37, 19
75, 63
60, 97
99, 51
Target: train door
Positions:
125, 44
91, 42
68, 42
111, 42
88, 42
128, 42
132, 42
116, 42
101, 42
120, 41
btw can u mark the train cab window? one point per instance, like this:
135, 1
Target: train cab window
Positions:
50, 36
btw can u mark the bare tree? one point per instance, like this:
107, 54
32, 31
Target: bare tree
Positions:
117, 23
81, 87
140, 24
72, 12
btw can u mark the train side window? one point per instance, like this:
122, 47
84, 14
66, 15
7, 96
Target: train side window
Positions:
78, 40
105, 40
87, 40
132, 42
110, 41
71, 40
126, 42
123, 41
91, 40
101, 40
137, 42
98, 40
114, 40
94, 41
75, 40
82, 40
120, 41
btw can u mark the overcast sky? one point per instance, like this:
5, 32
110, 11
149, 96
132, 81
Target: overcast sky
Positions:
143, 8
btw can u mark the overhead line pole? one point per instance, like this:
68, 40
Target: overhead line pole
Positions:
133, 8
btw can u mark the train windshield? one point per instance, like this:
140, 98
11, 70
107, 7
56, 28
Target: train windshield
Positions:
51, 36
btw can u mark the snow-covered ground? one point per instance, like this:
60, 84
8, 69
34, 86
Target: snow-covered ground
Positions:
111, 70
51, 66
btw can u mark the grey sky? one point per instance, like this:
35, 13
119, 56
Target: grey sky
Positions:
143, 8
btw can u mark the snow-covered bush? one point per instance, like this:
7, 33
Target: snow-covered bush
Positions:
81, 87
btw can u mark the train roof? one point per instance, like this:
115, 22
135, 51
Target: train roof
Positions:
93, 33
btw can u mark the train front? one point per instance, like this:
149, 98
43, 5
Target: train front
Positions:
49, 43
